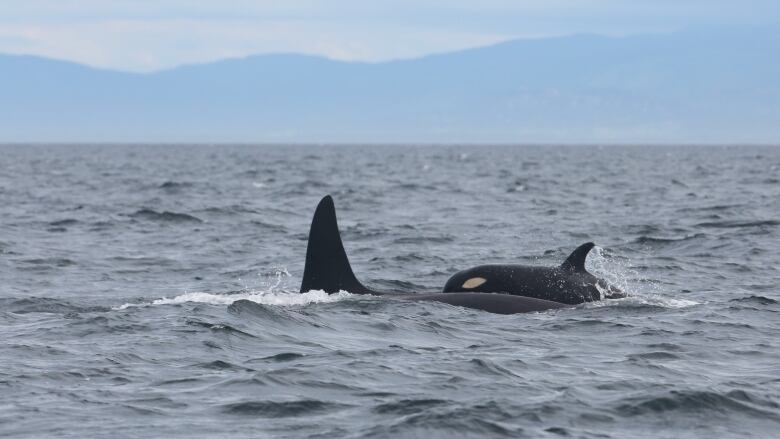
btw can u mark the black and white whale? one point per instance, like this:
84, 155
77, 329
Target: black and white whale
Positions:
327, 268
568, 283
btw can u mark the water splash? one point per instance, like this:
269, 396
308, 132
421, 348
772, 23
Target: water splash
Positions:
281, 274
614, 270
618, 271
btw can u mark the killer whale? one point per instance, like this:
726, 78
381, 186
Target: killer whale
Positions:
568, 283
327, 268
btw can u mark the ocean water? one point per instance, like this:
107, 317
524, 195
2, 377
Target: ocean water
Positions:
151, 291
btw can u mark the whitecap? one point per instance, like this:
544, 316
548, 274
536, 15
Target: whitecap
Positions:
275, 298
652, 300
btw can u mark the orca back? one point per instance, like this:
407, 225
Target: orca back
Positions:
568, 283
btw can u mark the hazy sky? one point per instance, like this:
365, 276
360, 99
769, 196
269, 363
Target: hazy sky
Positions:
144, 35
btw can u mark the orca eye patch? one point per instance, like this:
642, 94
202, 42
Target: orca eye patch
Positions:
474, 282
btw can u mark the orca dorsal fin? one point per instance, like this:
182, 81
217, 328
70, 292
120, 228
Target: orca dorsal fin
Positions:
327, 267
576, 260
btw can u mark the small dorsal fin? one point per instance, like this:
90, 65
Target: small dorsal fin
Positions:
576, 260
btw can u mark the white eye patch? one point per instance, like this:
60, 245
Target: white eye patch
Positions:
474, 282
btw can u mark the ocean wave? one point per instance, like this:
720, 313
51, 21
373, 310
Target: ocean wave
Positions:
275, 228
232, 209
274, 298
50, 262
760, 300
175, 185
697, 401
64, 222
739, 224
408, 406
447, 417
657, 241
222, 365
274, 409
166, 216
45, 305
282, 357
220, 327
423, 239
650, 300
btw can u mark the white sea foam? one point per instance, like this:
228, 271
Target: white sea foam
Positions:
651, 299
276, 298
678, 303
271, 292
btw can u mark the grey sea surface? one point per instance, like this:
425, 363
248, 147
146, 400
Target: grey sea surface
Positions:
152, 291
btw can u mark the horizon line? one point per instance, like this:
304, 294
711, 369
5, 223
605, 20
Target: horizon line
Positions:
4, 144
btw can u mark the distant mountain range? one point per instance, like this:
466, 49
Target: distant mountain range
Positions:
695, 87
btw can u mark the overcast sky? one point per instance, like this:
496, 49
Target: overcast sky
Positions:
146, 35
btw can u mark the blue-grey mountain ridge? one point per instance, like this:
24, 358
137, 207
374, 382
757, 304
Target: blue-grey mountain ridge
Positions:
693, 86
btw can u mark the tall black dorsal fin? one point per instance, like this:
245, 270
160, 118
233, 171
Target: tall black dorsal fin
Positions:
576, 260
327, 267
